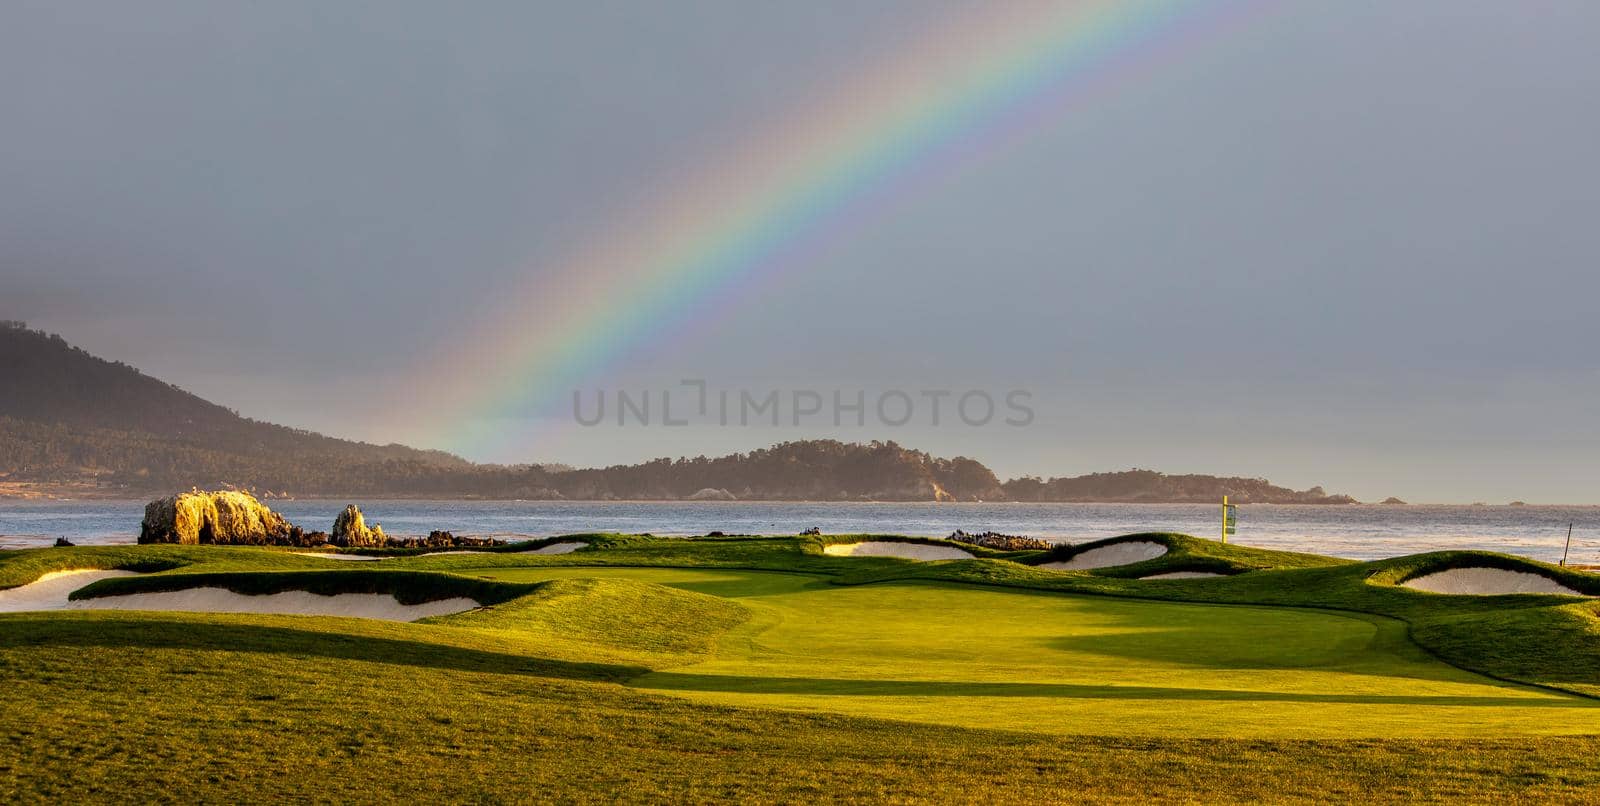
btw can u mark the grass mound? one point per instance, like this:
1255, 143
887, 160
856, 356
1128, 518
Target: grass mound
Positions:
1183, 553
1402, 570
1555, 646
612, 619
1109, 554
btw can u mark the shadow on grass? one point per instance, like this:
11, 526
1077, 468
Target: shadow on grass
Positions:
678, 681
144, 632
1267, 640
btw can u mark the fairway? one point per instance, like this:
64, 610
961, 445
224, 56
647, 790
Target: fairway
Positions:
767, 669
1043, 662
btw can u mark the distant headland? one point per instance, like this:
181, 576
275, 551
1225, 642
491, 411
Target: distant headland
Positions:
75, 425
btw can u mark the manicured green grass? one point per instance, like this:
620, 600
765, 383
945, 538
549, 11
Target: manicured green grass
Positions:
610, 619
1486, 638
977, 657
762, 669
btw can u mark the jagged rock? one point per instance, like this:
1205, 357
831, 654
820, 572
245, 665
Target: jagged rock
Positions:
1000, 542
815, 530
437, 539
713, 494
62, 543
224, 517
350, 530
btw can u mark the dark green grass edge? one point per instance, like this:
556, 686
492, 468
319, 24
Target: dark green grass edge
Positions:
407, 587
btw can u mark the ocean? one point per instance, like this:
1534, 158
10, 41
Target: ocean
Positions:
1361, 532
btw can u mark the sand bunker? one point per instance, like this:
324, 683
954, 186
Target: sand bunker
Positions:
1487, 582
905, 551
1125, 553
328, 555
558, 548
300, 603
1184, 575
50, 591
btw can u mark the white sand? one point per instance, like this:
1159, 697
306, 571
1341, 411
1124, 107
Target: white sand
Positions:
328, 555
303, 603
363, 558
1183, 575
889, 548
1487, 582
558, 548
50, 591
1125, 553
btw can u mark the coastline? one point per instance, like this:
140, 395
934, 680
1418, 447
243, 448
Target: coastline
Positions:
11, 492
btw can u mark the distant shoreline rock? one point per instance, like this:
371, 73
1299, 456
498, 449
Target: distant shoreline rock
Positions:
222, 517
1001, 542
350, 530
237, 518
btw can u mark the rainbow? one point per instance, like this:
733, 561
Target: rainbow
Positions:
996, 72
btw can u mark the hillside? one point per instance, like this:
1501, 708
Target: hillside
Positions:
77, 424
50, 381
68, 416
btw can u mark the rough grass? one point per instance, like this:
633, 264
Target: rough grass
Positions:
1554, 645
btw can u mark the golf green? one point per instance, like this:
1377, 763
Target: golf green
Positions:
971, 656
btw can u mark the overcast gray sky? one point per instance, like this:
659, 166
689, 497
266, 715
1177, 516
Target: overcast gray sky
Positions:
1352, 244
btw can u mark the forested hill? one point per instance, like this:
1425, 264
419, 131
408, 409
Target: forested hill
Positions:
1150, 486
68, 415
71, 422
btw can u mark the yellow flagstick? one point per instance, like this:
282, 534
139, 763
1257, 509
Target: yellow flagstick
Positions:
1224, 518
